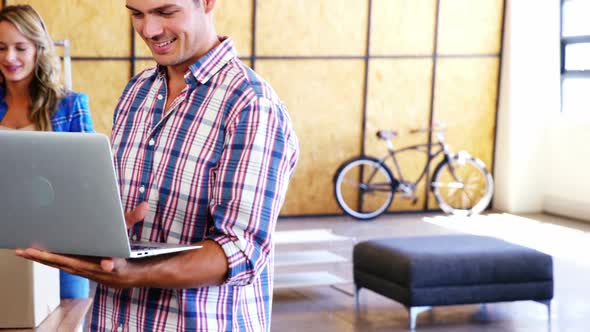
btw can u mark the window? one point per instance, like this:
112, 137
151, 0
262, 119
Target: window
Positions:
575, 57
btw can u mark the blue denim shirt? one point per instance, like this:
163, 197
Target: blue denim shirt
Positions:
72, 114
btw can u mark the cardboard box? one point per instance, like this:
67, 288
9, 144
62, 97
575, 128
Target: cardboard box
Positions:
29, 291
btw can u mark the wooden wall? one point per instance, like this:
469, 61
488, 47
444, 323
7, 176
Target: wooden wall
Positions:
344, 68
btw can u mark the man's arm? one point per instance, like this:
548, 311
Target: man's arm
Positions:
250, 185
206, 266
189, 269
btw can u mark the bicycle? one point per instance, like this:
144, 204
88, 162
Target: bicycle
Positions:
364, 186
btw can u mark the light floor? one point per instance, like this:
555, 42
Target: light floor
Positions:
327, 308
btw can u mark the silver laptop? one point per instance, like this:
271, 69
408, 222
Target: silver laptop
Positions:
59, 193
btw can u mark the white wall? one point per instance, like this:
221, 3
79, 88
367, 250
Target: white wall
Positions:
542, 160
568, 168
529, 93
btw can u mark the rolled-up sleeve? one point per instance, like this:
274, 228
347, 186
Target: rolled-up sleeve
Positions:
249, 186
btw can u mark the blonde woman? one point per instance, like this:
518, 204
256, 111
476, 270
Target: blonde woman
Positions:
32, 96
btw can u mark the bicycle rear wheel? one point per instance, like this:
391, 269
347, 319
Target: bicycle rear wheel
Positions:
364, 188
462, 185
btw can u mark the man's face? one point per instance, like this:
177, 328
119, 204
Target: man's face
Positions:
176, 31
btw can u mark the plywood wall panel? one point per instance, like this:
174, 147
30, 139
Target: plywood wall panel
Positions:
403, 27
95, 28
470, 27
103, 82
399, 99
465, 99
247, 62
324, 96
233, 18
311, 27
324, 99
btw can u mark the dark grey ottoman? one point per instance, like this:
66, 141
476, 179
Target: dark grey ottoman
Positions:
426, 271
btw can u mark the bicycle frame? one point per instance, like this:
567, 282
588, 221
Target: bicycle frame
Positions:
440, 144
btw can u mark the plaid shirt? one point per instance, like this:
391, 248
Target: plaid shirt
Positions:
215, 166
72, 114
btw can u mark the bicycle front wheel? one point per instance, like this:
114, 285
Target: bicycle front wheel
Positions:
364, 188
462, 185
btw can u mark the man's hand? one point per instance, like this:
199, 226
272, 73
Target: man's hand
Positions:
113, 272
136, 215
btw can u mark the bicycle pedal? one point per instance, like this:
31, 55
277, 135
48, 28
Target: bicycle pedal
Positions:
412, 198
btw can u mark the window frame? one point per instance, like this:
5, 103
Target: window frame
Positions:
564, 43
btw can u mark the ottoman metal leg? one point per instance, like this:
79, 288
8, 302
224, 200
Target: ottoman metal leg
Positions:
357, 291
547, 303
483, 311
414, 312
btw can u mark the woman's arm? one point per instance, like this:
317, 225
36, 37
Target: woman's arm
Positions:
73, 114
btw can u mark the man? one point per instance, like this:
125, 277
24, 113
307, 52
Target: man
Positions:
204, 151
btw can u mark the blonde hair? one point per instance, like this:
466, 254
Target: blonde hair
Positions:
46, 88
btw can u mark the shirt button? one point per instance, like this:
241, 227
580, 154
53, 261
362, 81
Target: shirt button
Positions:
152, 142
141, 189
160, 97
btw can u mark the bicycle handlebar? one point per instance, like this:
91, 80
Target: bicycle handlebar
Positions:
389, 134
437, 127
